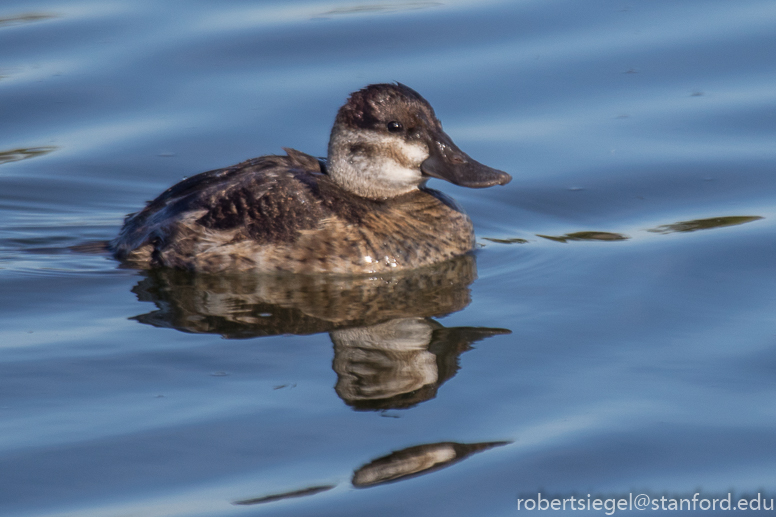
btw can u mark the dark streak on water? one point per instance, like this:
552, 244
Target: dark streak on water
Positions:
288, 495
617, 348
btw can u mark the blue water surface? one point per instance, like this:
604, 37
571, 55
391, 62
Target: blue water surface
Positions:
614, 333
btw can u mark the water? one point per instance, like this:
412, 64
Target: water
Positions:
614, 332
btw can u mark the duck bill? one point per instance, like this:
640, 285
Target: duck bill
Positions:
447, 162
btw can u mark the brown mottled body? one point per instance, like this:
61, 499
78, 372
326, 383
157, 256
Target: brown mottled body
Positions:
283, 213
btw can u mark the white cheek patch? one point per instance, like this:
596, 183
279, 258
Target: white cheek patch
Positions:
415, 153
386, 171
387, 166
394, 172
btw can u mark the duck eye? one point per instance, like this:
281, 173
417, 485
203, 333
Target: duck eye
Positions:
394, 127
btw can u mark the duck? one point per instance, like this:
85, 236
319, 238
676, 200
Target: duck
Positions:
364, 209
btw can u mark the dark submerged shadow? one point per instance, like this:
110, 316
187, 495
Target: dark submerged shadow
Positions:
679, 227
25, 18
513, 240
379, 8
285, 495
14, 155
388, 352
586, 236
397, 466
705, 224
416, 461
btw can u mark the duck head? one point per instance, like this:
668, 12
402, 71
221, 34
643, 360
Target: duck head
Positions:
387, 141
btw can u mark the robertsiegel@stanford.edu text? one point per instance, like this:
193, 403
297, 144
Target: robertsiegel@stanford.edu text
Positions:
644, 502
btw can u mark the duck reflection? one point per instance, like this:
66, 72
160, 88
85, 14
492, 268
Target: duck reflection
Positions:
388, 352
399, 363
